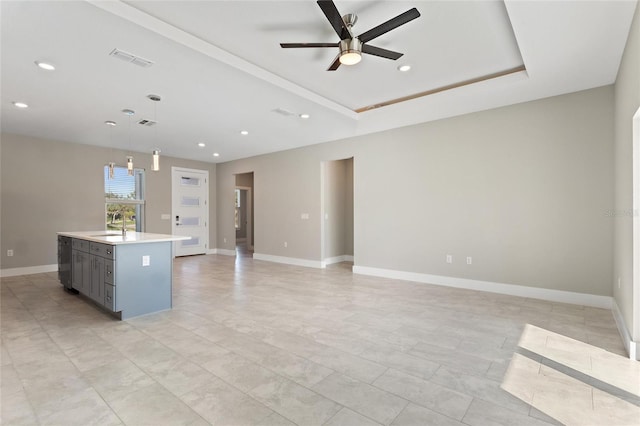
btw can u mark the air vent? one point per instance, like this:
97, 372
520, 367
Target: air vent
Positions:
128, 57
146, 122
284, 112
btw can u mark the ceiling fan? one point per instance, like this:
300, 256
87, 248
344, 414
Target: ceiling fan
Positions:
352, 47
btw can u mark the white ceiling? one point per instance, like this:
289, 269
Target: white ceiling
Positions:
219, 68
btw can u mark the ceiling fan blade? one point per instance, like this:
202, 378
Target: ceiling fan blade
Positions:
294, 45
335, 19
392, 23
335, 64
383, 53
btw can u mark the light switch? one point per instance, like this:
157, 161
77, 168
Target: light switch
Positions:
165, 216
146, 260
304, 216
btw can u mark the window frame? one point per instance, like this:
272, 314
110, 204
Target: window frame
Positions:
138, 203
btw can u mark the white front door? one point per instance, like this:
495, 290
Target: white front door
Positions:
190, 210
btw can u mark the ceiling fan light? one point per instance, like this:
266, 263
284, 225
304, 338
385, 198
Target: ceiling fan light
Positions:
350, 57
350, 51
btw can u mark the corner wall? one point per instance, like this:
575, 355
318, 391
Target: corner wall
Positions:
627, 102
524, 190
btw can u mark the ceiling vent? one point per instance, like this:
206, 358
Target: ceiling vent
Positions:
128, 57
284, 112
146, 122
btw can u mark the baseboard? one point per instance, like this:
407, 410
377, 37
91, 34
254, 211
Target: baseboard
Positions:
288, 260
337, 259
212, 251
491, 287
631, 346
226, 252
29, 270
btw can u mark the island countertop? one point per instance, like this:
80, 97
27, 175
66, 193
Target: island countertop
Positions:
116, 238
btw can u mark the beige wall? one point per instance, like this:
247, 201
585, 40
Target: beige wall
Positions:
523, 189
245, 179
627, 102
348, 207
49, 186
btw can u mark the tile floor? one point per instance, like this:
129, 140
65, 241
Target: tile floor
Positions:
258, 343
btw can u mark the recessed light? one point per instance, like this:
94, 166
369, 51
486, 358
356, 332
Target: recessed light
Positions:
127, 111
215, 154
244, 133
305, 116
201, 145
45, 66
20, 105
110, 123
404, 68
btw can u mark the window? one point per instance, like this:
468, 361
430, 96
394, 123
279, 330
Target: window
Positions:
237, 216
124, 199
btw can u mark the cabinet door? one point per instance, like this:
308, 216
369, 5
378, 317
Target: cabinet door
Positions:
110, 297
97, 279
76, 270
80, 271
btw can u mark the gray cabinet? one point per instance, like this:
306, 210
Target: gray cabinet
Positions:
92, 270
80, 266
102, 274
110, 297
127, 278
96, 291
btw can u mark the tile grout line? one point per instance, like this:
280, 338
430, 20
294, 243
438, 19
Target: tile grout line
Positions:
581, 377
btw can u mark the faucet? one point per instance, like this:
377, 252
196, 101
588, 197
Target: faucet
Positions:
124, 223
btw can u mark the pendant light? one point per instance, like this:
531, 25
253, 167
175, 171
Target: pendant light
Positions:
155, 154
156, 160
129, 113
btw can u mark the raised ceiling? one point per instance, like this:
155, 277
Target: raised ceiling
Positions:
219, 68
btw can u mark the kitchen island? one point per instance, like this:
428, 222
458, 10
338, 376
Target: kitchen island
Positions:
129, 275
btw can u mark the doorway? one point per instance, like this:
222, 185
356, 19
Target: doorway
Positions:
337, 197
244, 214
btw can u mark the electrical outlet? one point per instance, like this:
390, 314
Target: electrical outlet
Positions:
449, 258
165, 216
224, 239
469, 260
146, 260
285, 244
9, 253
304, 216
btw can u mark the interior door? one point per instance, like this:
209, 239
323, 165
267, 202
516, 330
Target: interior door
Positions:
190, 210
